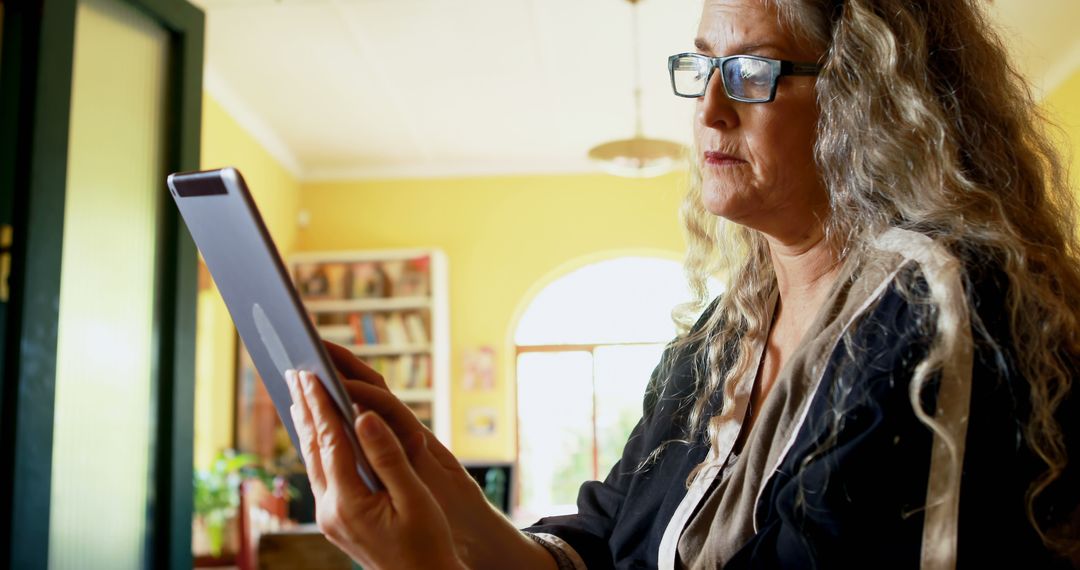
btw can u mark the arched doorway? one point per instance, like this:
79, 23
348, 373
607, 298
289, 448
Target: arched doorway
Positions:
585, 348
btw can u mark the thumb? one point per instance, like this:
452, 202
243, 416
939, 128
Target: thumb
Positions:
387, 458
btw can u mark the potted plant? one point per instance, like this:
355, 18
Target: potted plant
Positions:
217, 495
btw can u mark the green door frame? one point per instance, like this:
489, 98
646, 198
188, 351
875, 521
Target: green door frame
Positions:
35, 102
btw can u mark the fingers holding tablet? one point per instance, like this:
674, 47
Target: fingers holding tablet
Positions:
305, 432
324, 440
368, 392
401, 526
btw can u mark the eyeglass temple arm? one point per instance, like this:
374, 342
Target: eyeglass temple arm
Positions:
796, 68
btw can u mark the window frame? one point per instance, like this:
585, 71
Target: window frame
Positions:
590, 348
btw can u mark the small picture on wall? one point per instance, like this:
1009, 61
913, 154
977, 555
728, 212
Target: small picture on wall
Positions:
480, 422
479, 374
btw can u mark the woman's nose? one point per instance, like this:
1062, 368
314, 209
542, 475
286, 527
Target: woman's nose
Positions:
715, 109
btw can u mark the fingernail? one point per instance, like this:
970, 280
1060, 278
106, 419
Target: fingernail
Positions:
290, 379
370, 426
356, 410
307, 380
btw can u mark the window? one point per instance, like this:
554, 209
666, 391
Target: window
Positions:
586, 347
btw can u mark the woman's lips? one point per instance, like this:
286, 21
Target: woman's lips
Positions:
722, 159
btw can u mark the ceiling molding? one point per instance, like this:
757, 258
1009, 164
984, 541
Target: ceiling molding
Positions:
259, 129
1060, 72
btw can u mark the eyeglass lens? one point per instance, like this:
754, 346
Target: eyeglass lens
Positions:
690, 74
748, 78
745, 78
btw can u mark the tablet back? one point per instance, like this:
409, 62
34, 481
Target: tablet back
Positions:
249, 273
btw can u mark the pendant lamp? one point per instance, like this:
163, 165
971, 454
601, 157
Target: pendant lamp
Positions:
640, 156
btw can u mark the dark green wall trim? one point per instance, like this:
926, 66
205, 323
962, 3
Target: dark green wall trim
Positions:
39, 279
176, 390
170, 506
170, 515
17, 81
35, 103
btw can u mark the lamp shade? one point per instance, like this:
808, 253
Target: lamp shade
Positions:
638, 157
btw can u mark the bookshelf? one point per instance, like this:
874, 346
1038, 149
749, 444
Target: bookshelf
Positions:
391, 308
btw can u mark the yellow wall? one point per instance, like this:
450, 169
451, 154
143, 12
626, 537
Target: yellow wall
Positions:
504, 236
1063, 104
276, 193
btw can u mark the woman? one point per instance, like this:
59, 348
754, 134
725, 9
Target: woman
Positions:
887, 381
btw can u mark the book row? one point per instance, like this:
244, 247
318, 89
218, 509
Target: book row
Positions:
394, 329
364, 279
405, 372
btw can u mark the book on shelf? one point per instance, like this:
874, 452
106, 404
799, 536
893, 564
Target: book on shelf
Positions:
336, 274
368, 281
415, 279
404, 372
380, 327
370, 333
393, 269
415, 328
357, 326
423, 370
396, 334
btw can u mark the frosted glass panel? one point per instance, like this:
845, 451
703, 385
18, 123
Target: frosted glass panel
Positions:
103, 424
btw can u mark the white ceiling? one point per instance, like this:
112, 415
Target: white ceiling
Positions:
345, 89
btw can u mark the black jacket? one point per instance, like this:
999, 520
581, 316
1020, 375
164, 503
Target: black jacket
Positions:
861, 501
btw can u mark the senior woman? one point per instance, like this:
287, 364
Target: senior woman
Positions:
886, 382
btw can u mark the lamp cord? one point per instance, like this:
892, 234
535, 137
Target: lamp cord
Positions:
636, 34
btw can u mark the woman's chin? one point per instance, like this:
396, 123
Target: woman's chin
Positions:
723, 205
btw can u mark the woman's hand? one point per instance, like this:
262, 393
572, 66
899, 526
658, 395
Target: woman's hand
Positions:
483, 536
401, 527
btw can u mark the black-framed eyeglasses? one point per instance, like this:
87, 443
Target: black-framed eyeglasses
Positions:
746, 78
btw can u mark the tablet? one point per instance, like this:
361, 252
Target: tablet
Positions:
272, 322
